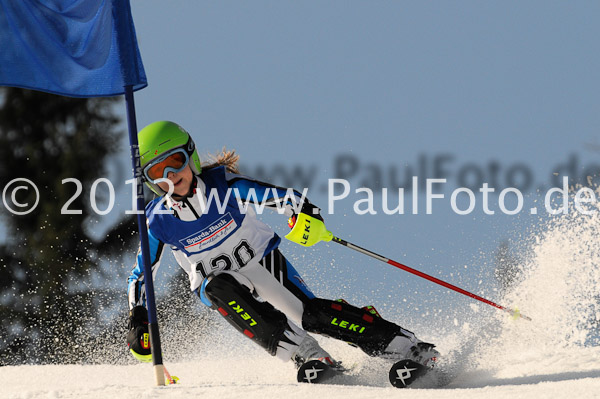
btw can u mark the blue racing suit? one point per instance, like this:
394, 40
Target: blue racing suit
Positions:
211, 230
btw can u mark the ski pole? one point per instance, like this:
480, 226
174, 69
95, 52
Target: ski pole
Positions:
515, 313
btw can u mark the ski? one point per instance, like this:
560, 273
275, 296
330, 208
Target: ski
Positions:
405, 372
315, 372
402, 374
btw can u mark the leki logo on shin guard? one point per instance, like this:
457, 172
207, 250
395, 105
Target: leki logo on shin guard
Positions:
347, 325
244, 315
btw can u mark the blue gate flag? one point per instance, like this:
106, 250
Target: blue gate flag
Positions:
76, 48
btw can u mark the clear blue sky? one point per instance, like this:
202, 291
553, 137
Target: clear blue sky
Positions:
298, 84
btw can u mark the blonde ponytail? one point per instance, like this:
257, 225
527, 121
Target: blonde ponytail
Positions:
226, 158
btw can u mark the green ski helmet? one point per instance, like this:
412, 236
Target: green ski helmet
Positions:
161, 137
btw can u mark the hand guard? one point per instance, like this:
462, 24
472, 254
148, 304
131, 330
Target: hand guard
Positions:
138, 337
308, 227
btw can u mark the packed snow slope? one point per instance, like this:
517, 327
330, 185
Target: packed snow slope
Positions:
489, 354
564, 373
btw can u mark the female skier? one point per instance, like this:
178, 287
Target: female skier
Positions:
233, 262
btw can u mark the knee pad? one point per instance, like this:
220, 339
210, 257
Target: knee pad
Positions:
348, 323
259, 321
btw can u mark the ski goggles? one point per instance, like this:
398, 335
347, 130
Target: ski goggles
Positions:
173, 161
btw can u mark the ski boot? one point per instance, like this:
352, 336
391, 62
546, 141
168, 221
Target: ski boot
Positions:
403, 347
406, 346
416, 360
314, 364
366, 329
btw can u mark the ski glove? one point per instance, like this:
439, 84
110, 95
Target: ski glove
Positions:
308, 227
138, 338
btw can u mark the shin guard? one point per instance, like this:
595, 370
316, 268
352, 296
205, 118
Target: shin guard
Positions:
351, 324
259, 321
